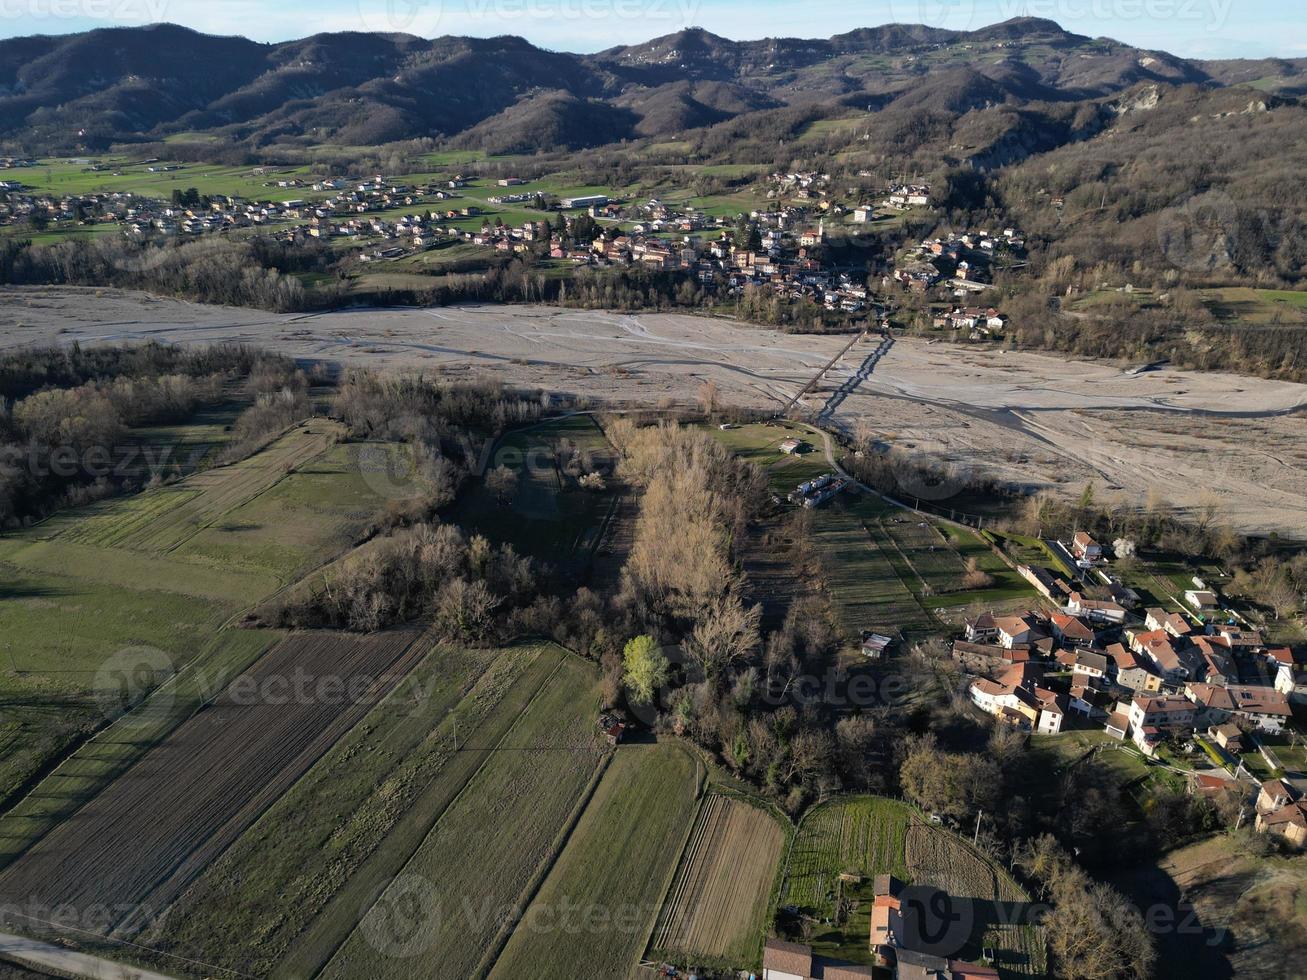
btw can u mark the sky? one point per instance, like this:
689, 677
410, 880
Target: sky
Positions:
1191, 28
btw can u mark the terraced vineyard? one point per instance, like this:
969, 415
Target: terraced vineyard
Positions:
719, 906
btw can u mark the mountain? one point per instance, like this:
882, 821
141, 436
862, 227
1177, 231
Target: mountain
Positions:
92, 90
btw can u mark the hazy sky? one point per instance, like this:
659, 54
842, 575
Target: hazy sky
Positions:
1196, 28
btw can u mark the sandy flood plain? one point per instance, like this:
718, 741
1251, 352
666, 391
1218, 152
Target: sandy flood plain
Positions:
1029, 419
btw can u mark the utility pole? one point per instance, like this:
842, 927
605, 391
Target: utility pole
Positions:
975, 841
1239, 822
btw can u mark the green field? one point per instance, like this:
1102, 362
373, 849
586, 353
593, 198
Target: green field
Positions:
157, 572
595, 910
291, 890
861, 837
867, 581
490, 847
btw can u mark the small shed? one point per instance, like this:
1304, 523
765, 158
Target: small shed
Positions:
874, 645
612, 727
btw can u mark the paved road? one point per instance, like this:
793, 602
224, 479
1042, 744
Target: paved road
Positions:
41, 955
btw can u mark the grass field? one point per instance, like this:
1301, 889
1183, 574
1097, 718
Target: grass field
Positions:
490, 847
296, 881
719, 906
866, 836
595, 910
159, 571
867, 589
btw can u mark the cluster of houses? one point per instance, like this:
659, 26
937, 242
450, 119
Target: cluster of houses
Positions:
343, 213
899, 947
1146, 675
963, 263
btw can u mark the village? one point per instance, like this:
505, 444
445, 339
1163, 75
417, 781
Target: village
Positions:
793, 248
1190, 686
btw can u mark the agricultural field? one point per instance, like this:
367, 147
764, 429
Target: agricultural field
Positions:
288, 893
482, 859
593, 914
861, 837
158, 571
553, 518
927, 552
110, 752
719, 906
136, 844
867, 589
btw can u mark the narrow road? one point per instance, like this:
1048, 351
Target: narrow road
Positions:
32, 952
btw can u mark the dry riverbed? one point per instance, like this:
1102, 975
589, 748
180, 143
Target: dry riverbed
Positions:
1026, 418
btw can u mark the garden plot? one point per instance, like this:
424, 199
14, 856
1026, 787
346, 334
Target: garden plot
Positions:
719, 906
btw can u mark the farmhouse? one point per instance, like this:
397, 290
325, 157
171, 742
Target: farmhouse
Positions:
1153, 718
1015, 700
1014, 631
1083, 546
1204, 602
795, 961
